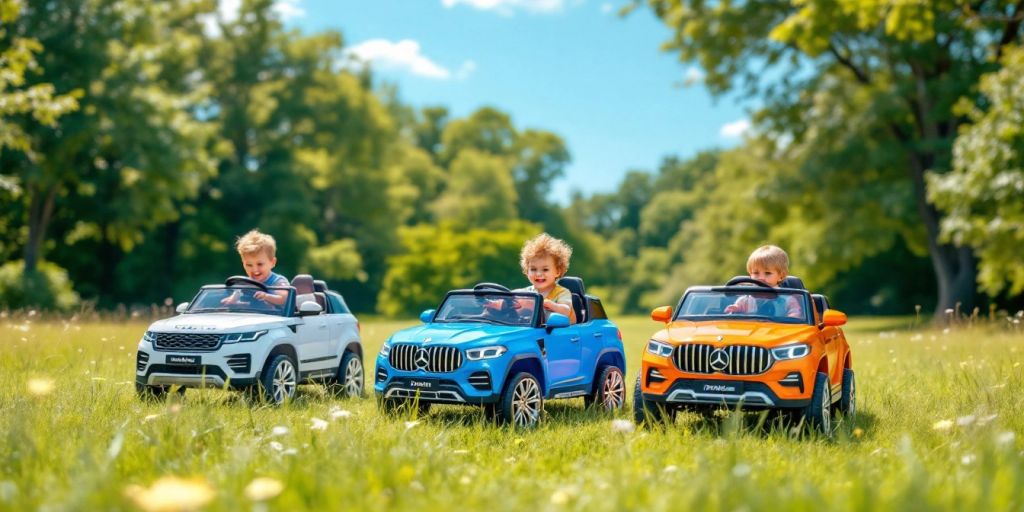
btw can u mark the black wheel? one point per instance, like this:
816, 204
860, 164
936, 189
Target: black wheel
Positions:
156, 393
818, 414
609, 389
646, 412
349, 377
279, 379
522, 402
848, 398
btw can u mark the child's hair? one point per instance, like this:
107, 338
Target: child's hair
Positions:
546, 245
254, 242
769, 256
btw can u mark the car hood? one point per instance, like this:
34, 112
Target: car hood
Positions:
220, 322
725, 332
458, 334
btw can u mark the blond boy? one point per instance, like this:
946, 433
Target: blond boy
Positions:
770, 265
259, 255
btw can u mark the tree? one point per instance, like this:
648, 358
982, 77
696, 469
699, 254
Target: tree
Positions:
906, 63
983, 198
480, 191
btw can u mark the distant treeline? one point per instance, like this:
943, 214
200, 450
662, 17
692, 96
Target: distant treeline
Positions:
138, 139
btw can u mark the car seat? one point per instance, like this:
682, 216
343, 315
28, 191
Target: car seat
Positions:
579, 301
305, 290
793, 282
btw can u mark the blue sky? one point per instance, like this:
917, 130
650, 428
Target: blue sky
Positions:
573, 67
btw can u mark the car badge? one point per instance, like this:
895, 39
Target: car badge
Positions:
720, 338
719, 360
421, 359
428, 340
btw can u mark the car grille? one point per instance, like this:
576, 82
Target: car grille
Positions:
409, 358
141, 359
186, 341
739, 360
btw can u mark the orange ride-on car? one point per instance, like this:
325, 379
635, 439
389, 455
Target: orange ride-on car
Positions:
786, 352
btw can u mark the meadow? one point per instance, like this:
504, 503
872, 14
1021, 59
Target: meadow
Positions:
940, 426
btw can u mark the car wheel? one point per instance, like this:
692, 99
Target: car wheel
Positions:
818, 414
156, 393
522, 402
349, 379
646, 412
848, 399
609, 389
279, 379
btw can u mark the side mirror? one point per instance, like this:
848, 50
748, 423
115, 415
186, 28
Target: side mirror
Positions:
834, 318
662, 315
310, 308
427, 316
181, 307
556, 321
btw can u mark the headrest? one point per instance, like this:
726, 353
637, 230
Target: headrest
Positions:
574, 284
320, 285
792, 282
303, 284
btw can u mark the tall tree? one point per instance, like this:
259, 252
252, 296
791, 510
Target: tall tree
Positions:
907, 63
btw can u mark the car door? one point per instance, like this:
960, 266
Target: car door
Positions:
563, 354
313, 336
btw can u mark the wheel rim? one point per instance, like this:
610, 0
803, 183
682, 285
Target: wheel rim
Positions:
526, 403
826, 416
284, 381
354, 377
614, 390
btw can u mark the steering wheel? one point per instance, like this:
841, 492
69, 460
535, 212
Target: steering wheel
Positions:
490, 286
747, 280
233, 280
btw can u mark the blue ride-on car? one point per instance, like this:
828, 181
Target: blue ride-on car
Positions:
491, 347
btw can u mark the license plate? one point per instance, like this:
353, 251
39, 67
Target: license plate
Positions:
721, 388
424, 384
184, 360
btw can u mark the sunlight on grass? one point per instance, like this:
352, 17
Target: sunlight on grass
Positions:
940, 426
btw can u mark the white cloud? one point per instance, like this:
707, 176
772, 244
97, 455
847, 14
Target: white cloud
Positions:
402, 55
227, 12
693, 75
465, 70
735, 129
508, 7
606, 7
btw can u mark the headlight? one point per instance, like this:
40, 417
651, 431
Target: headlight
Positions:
149, 336
475, 354
243, 336
794, 351
659, 349
386, 349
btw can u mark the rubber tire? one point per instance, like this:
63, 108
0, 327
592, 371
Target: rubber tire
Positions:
155, 393
597, 397
337, 387
267, 378
818, 414
505, 414
848, 398
647, 413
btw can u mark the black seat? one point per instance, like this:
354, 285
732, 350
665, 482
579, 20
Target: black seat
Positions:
319, 285
793, 282
579, 302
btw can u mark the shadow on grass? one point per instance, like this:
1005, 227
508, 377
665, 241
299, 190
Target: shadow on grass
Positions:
774, 423
567, 412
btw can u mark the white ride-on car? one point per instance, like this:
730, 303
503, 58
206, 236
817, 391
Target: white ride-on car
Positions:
226, 338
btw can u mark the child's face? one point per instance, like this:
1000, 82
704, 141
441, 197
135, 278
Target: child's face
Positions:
542, 273
258, 265
771, 276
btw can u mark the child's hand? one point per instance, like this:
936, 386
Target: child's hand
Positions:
732, 308
230, 299
549, 305
260, 296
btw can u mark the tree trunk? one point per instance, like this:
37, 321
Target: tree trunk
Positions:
39, 211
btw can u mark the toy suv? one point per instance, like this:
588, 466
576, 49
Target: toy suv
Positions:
226, 338
492, 347
777, 356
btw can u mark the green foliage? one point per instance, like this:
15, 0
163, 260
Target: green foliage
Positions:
480, 191
338, 260
443, 257
983, 198
47, 288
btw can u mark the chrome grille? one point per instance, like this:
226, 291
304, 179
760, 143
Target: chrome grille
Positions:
410, 358
186, 341
743, 359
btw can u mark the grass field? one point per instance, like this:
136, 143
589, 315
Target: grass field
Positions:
941, 426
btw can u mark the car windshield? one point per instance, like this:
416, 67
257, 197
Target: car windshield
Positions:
491, 308
781, 306
238, 300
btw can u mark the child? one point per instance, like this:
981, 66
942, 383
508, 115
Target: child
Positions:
544, 259
770, 265
258, 252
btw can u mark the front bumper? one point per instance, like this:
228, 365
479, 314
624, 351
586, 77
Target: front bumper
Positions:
228, 367
474, 383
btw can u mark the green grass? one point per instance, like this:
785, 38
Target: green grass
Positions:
84, 444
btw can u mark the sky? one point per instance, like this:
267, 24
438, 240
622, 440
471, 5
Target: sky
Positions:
572, 67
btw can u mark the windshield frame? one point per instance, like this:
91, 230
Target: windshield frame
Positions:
534, 320
287, 309
805, 297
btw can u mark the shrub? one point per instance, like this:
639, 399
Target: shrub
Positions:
47, 288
